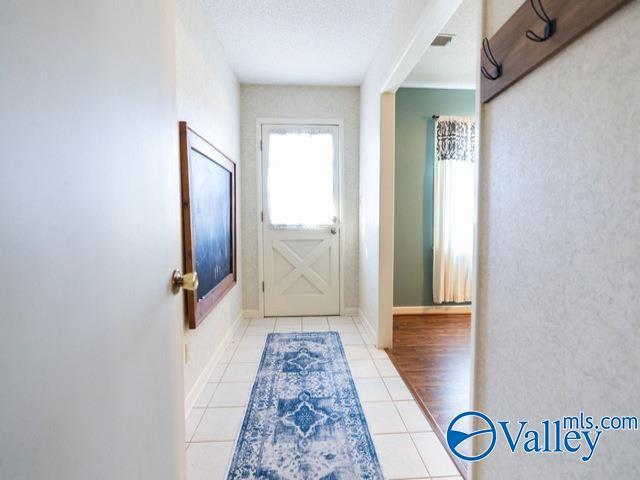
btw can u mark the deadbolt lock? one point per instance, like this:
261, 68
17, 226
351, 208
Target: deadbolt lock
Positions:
188, 281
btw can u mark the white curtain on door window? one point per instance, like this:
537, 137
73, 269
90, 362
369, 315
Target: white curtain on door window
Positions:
300, 179
453, 209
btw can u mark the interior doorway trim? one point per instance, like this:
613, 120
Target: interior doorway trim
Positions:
260, 121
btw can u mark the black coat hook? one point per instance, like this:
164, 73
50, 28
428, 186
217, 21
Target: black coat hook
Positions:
549, 24
486, 48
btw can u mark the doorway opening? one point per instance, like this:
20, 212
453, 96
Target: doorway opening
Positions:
435, 169
299, 218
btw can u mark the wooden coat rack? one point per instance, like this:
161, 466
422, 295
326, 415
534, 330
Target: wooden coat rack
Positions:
538, 30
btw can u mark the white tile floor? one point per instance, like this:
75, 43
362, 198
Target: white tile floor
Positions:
406, 446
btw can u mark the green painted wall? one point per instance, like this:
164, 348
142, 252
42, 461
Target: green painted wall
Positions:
413, 244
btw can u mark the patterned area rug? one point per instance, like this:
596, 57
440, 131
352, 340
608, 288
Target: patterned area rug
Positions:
304, 419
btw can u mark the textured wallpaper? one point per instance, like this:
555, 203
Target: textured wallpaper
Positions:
558, 297
208, 98
298, 102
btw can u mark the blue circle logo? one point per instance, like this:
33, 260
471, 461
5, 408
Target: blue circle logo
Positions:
456, 434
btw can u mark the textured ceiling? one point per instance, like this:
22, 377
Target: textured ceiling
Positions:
453, 65
301, 42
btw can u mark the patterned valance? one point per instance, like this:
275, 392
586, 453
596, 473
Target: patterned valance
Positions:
455, 138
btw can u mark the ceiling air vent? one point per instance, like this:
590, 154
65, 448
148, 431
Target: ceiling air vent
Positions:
441, 40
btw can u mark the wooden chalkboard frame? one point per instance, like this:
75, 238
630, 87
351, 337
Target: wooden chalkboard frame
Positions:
190, 141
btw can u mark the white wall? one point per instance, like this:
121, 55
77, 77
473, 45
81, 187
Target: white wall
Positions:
372, 86
208, 98
412, 28
558, 305
299, 102
90, 334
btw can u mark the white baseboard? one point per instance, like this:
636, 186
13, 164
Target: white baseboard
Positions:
201, 382
251, 313
348, 312
372, 332
432, 309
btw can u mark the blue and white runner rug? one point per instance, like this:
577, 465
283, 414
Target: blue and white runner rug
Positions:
304, 420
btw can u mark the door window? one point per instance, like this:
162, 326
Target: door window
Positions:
300, 177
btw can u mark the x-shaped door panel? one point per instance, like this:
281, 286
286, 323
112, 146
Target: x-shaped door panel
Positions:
302, 267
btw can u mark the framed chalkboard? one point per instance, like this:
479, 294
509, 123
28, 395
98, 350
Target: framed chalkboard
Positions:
209, 221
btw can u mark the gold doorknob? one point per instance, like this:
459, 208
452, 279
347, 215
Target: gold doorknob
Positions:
188, 281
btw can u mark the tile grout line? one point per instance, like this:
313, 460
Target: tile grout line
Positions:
408, 433
210, 399
415, 445
194, 430
370, 357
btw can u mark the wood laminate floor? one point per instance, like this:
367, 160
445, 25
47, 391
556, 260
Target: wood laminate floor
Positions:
433, 355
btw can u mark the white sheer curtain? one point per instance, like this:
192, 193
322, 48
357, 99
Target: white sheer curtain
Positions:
300, 176
453, 209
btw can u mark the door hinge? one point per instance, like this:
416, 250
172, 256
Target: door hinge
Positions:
263, 286
260, 145
262, 216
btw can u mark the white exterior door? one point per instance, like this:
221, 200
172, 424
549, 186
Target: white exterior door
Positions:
300, 220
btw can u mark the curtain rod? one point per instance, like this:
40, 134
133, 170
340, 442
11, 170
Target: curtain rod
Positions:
436, 117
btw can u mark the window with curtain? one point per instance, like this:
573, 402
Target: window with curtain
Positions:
300, 178
453, 209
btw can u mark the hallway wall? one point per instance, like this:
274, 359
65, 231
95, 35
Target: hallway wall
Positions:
558, 305
414, 176
299, 102
416, 21
376, 280
208, 97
